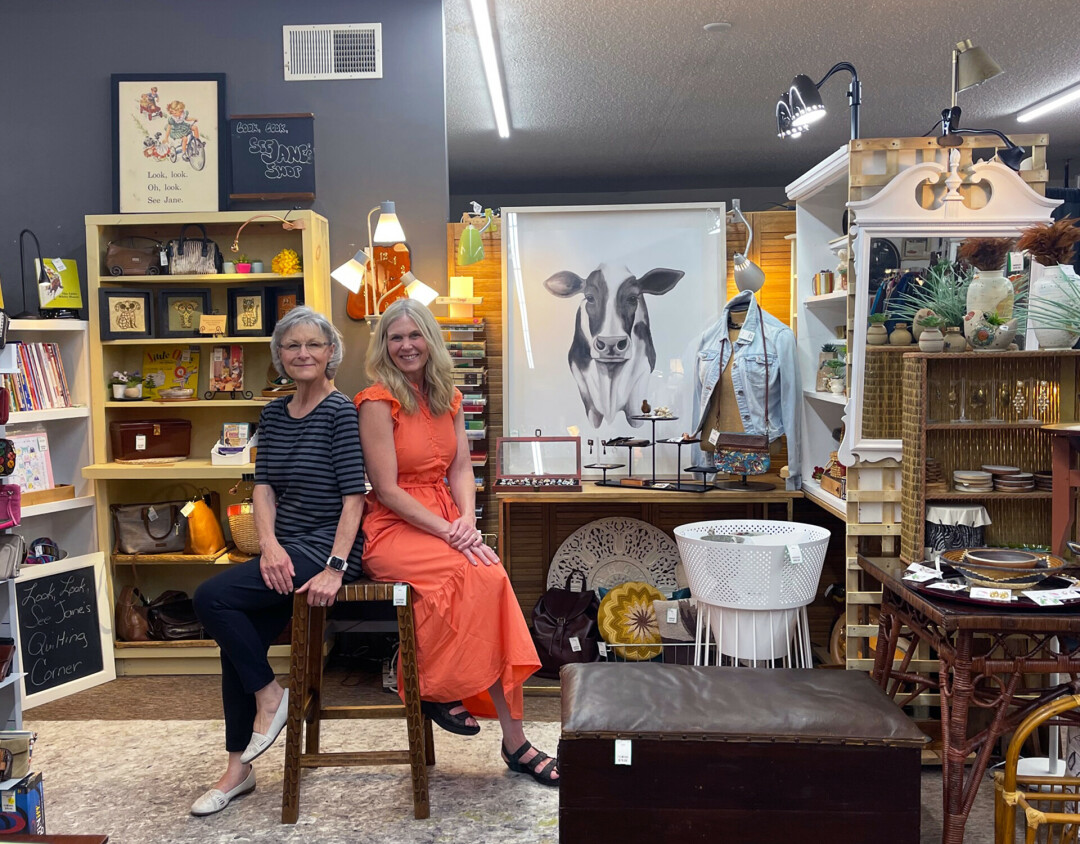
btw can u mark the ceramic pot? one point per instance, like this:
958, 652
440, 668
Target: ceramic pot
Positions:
243, 268
916, 324
1055, 286
989, 292
877, 334
931, 340
256, 266
228, 268
985, 337
836, 385
118, 391
954, 340
133, 391
900, 335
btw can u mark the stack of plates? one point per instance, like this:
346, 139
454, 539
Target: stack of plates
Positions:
996, 470
1017, 482
1044, 481
935, 478
972, 481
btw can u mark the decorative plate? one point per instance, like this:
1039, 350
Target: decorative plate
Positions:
616, 550
627, 618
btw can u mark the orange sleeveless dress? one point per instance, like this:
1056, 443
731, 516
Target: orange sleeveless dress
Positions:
469, 628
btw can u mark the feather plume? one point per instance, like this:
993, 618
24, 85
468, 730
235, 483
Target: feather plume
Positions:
1051, 243
985, 253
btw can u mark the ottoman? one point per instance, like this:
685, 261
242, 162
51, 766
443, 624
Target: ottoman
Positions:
734, 755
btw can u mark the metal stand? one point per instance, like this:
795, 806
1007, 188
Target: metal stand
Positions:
654, 420
744, 485
704, 471
604, 467
232, 394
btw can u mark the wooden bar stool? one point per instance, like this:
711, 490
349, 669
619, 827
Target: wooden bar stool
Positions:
305, 701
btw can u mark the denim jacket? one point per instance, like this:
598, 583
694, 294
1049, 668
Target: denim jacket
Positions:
748, 376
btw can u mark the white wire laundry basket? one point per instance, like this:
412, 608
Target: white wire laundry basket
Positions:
752, 580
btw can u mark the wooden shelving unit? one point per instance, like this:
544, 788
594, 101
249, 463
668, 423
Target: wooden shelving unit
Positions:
124, 482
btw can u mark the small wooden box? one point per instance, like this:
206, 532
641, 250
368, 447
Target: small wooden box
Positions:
834, 486
60, 492
738, 755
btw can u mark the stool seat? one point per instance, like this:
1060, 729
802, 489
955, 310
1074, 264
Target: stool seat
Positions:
305, 700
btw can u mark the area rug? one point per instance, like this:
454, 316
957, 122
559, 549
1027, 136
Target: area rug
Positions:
136, 780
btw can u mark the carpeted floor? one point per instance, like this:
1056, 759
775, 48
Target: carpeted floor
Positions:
129, 757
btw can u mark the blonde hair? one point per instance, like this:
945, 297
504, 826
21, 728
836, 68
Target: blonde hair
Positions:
438, 372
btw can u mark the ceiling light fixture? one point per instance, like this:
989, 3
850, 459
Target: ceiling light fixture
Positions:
802, 104
485, 37
717, 26
1050, 104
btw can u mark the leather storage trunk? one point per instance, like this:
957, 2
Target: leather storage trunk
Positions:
150, 439
738, 755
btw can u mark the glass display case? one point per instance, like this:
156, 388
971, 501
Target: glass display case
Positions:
538, 463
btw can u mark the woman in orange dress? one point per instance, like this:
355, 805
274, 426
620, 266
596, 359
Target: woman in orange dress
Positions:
474, 648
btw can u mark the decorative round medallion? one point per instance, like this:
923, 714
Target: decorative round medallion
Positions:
616, 550
627, 619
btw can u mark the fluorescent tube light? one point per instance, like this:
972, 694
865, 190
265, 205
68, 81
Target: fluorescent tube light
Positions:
486, 39
1048, 105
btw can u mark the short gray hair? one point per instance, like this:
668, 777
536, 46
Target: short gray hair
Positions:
304, 315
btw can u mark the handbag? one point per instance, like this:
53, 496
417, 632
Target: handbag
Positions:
171, 617
564, 627
193, 255
10, 506
5, 396
12, 554
203, 530
738, 453
7, 457
132, 624
149, 528
18, 745
123, 257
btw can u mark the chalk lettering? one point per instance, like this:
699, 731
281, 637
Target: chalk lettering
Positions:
278, 128
247, 128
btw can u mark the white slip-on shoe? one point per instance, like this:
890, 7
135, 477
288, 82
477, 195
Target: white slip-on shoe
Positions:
215, 799
260, 743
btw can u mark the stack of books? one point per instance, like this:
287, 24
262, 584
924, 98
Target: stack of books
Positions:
40, 383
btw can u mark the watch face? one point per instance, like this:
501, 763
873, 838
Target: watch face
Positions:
336, 563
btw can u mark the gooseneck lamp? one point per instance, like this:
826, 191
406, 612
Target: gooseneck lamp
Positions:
802, 104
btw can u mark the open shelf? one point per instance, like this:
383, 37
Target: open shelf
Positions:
187, 469
49, 325
184, 341
831, 398
826, 500
987, 496
982, 426
58, 506
23, 417
837, 297
177, 405
231, 278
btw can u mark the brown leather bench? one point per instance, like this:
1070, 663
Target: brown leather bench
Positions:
739, 755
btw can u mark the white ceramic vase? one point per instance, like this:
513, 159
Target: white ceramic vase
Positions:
836, 386
931, 340
989, 292
1056, 285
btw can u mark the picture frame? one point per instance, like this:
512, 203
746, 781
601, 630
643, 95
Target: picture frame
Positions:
125, 313
915, 248
247, 316
282, 298
678, 253
155, 118
179, 310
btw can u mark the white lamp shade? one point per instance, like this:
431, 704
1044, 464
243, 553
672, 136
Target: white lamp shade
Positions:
748, 275
388, 230
351, 273
416, 289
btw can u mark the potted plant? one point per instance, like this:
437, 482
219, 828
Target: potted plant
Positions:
989, 290
989, 332
1055, 314
931, 339
836, 380
942, 291
243, 263
877, 334
126, 385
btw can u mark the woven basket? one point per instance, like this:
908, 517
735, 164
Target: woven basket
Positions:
242, 526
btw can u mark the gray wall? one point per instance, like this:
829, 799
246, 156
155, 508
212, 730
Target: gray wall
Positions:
374, 139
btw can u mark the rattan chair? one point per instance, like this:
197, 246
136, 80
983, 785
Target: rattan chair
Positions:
1050, 804
305, 701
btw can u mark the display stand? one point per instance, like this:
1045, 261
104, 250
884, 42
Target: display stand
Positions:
704, 471
231, 394
605, 468
744, 485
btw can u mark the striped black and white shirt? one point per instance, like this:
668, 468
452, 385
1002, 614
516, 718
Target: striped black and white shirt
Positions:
310, 463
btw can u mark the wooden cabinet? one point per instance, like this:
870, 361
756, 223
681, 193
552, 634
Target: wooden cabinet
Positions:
262, 238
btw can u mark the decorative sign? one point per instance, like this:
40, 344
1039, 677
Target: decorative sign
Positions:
64, 630
272, 156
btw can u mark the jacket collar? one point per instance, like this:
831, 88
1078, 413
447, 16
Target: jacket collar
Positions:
752, 324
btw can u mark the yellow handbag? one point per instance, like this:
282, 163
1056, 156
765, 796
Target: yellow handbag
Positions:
204, 532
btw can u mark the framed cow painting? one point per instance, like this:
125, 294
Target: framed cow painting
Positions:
601, 306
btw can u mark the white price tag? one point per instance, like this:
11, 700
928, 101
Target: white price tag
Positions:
714, 436
151, 514
672, 615
401, 592
747, 336
602, 646
185, 511
622, 751
1043, 599
164, 258
920, 573
185, 356
59, 265
1003, 595
575, 644
794, 554
43, 443
140, 442
947, 586
1016, 262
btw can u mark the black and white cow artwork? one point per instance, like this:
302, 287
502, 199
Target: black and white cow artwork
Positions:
612, 353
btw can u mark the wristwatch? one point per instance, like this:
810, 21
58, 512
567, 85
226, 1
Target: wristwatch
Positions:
336, 564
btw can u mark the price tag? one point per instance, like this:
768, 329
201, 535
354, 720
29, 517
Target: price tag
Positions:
622, 751
59, 265
714, 436
1016, 262
661, 486
401, 592
212, 324
575, 644
185, 356
140, 442
747, 336
1003, 595
673, 615
187, 508
947, 586
164, 258
920, 573
602, 646
1043, 599
794, 554
151, 514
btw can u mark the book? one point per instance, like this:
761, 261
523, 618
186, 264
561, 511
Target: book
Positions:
61, 286
235, 434
227, 369
170, 368
40, 382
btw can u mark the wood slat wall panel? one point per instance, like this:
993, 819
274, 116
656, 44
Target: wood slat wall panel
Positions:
769, 251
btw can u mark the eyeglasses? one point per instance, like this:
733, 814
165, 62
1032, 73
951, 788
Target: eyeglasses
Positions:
314, 347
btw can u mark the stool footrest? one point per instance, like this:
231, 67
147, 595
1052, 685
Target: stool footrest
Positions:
359, 712
355, 759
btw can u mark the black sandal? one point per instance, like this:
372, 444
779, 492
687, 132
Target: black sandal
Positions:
514, 763
440, 714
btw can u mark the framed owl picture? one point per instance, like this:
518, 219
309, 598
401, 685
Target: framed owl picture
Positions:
125, 313
247, 312
179, 310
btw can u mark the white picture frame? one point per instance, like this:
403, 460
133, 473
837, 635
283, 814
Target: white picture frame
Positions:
545, 250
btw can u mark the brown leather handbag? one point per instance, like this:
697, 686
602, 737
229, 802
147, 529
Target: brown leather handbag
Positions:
563, 618
131, 615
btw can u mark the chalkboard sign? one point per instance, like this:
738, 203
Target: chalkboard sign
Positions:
62, 641
272, 156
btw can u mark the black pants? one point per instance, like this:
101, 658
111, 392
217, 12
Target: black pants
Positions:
244, 616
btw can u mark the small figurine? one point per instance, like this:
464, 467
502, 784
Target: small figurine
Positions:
645, 409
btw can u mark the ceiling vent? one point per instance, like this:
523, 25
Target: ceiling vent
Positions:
333, 51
